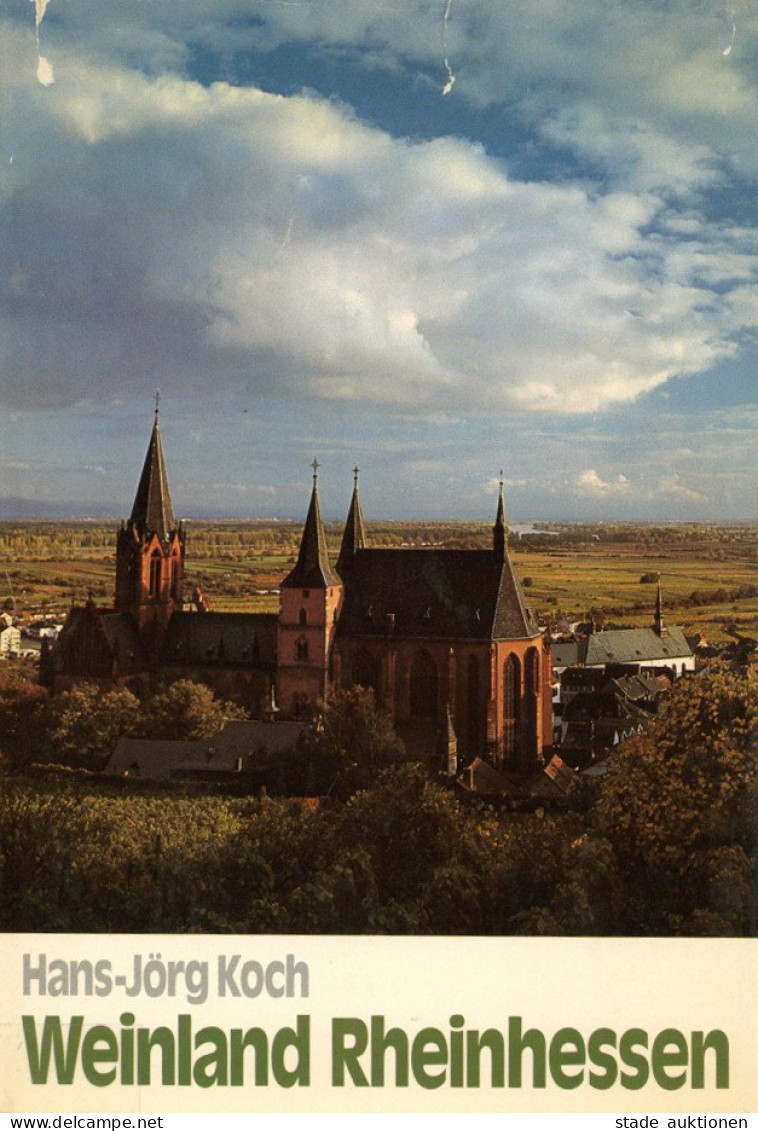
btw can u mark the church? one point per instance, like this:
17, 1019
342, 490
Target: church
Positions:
442, 637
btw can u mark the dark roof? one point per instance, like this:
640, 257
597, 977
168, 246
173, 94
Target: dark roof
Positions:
92, 637
152, 508
124, 640
567, 652
220, 754
153, 758
313, 569
354, 534
448, 594
221, 639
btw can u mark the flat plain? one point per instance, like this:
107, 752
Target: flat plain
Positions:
708, 573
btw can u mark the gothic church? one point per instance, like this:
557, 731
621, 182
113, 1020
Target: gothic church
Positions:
442, 637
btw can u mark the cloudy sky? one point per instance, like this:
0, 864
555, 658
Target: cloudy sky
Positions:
435, 237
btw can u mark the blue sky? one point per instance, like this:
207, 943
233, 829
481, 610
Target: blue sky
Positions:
435, 238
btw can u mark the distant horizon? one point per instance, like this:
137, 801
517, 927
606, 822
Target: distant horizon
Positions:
110, 515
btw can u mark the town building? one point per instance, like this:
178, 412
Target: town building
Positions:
442, 637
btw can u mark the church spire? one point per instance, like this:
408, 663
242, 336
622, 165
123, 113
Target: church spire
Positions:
499, 533
152, 508
658, 625
354, 535
313, 569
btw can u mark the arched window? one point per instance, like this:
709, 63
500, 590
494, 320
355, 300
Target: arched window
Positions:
303, 618
423, 686
176, 575
511, 703
532, 672
301, 649
530, 744
155, 575
473, 706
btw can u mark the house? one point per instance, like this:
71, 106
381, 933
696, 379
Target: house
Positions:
442, 637
10, 640
653, 647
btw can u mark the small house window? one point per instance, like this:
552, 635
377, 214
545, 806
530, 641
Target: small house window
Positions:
303, 618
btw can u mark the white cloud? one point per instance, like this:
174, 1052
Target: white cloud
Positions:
673, 486
227, 236
590, 483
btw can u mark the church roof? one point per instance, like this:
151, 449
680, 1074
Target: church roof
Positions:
91, 635
313, 569
450, 594
152, 508
221, 639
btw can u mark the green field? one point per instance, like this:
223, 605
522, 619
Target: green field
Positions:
709, 574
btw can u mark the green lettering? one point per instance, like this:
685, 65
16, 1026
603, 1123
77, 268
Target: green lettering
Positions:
532, 1039
661, 1059
493, 1040
212, 1067
252, 1038
347, 1058
718, 1042
634, 1060
300, 1040
602, 1059
92, 1055
381, 1041
38, 1055
566, 1049
429, 1049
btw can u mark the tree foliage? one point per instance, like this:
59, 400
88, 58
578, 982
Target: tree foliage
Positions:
187, 710
351, 742
681, 809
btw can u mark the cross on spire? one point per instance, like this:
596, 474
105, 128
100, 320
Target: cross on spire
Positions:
157, 402
356, 469
315, 465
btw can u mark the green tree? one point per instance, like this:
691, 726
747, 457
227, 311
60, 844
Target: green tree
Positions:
188, 710
20, 700
681, 810
81, 726
352, 740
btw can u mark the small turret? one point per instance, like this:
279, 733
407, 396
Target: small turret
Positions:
499, 531
354, 535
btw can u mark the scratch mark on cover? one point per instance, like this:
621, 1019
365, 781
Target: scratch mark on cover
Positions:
450, 76
45, 74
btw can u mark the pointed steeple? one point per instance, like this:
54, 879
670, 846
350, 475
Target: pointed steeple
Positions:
658, 625
313, 569
499, 532
152, 508
354, 535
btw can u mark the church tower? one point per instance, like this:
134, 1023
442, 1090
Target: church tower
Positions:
150, 551
354, 534
310, 602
